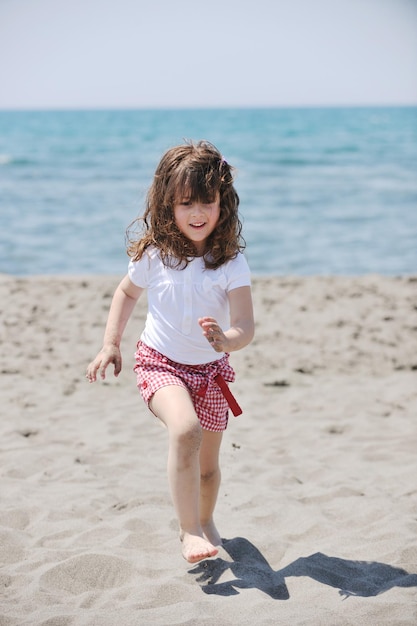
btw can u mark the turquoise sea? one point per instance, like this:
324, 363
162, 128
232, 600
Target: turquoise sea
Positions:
323, 191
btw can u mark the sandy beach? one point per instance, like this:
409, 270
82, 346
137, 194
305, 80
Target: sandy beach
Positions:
318, 504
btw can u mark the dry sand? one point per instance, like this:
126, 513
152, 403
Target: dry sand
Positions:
319, 496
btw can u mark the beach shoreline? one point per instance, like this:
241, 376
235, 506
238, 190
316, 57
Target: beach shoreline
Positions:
319, 497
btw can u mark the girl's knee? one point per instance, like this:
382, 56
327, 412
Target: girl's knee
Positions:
209, 474
188, 435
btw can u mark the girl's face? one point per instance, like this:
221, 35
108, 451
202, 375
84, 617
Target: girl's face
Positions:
197, 220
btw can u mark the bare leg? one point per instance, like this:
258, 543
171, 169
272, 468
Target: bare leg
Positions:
173, 406
210, 477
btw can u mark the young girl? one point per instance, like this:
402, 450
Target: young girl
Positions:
189, 258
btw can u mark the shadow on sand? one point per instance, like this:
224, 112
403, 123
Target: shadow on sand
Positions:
251, 570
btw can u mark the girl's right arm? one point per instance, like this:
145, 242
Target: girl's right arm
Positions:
123, 303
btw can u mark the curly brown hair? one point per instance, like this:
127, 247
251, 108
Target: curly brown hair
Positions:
199, 172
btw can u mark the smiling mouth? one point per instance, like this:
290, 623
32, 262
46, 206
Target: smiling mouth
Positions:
198, 225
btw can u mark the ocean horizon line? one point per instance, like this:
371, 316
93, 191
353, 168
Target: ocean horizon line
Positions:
133, 108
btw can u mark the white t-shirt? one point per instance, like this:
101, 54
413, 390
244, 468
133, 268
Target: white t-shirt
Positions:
177, 298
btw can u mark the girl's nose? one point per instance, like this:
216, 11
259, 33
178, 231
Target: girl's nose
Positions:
196, 209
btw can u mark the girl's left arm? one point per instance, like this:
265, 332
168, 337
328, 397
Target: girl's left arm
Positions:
242, 325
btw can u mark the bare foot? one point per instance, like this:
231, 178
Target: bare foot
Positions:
195, 548
211, 533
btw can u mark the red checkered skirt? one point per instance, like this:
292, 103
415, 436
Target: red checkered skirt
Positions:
206, 384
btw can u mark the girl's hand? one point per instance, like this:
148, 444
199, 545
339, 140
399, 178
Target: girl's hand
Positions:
107, 355
242, 325
214, 334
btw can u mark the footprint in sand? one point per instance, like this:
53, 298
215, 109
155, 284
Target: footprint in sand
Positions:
86, 573
12, 547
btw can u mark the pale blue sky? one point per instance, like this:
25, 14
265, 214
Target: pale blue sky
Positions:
191, 53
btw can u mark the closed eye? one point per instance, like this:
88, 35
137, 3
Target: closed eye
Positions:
186, 203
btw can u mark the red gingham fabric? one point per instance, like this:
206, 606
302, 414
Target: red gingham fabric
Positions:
154, 370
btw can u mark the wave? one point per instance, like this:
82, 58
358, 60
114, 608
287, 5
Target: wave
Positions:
5, 159
8, 159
